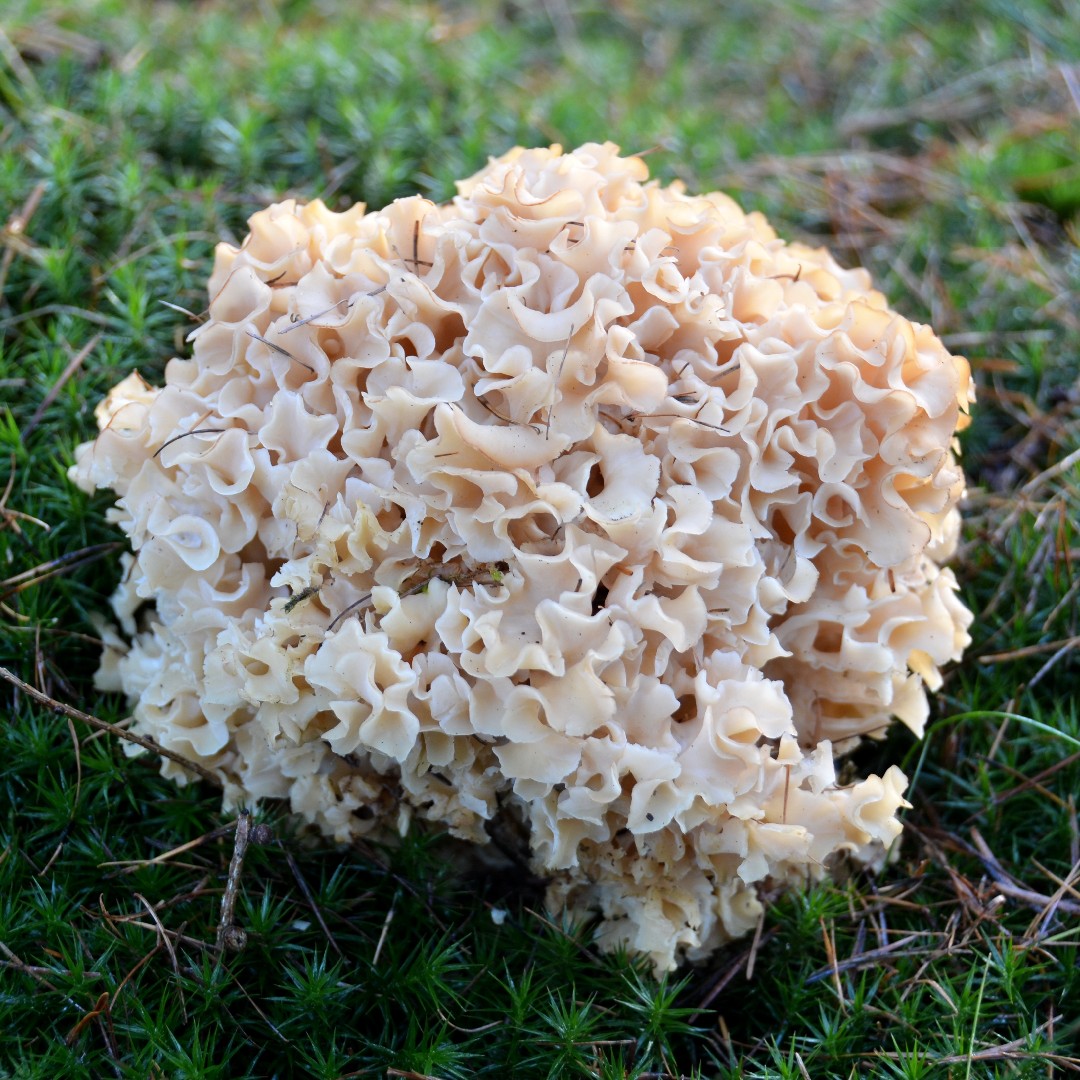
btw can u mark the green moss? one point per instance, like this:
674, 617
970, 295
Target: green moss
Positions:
907, 137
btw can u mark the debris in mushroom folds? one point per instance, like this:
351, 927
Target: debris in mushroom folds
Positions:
579, 498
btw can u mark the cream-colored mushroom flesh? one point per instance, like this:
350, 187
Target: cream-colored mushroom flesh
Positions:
577, 498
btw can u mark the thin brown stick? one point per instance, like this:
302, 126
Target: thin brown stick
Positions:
131, 865
834, 967
266, 1019
582, 948
61, 709
376, 859
1004, 1051
183, 311
10, 480
725, 978
1036, 780
185, 434
16, 227
385, 930
183, 939
1044, 791
35, 969
77, 748
499, 415
57, 570
1029, 650
555, 383
26, 969
17, 582
279, 350
1006, 884
870, 958
678, 416
755, 944
73, 366
162, 905
347, 300
1074, 831
133, 256
12, 517
230, 936
347, 610
1038, 927
1062, 883
970, 95
134, 971
167, 943
311, 902
476, 1030
1050, 664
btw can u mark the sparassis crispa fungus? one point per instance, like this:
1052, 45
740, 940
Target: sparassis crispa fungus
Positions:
578, 499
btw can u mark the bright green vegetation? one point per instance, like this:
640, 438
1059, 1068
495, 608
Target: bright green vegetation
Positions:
935, 143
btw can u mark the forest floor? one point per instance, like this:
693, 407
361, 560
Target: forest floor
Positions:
936, 144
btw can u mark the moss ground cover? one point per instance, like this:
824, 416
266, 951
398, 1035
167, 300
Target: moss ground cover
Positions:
935, 144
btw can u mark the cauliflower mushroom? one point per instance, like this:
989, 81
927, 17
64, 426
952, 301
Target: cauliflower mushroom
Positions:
579, 499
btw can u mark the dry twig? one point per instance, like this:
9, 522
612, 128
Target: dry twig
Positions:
61, 709
311, 902
73, 365
229, 935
